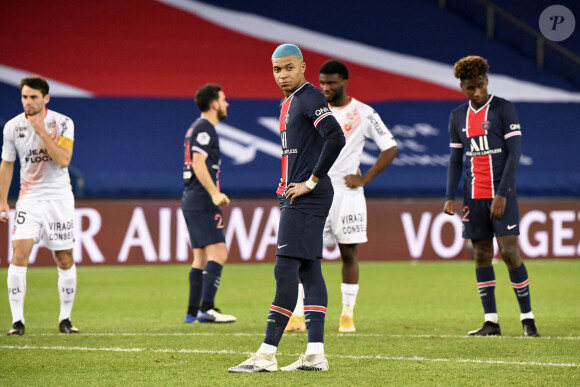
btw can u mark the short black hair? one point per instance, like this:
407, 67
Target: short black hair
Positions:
334, 66
470, 67
35, 82
206, 94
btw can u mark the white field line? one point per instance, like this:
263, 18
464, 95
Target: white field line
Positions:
357, 335
227, 352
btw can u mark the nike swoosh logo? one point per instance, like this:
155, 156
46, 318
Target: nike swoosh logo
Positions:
511, 226
282, 246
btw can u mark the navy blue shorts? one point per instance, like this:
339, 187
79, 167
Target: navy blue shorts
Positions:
300, 234
477, 224
205, 227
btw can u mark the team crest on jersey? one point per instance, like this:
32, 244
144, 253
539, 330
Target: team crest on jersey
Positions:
485, 125
352, 120
51, 129
203, 138
286, 119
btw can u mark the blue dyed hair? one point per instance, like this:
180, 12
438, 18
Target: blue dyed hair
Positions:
287, 49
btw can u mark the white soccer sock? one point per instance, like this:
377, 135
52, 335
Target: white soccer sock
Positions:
491, 317
16, 291
314, 348
524, 316
299, 309
67, 288
349, 293
267, 348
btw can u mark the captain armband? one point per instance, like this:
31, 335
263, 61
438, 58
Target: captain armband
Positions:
65, 142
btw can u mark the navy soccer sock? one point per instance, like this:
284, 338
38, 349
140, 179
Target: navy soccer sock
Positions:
486, 286
520, 283
210, 284
286, 274
194, 291
315, 299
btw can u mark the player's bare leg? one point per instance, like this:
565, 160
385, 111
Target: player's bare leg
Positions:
349, 287
508, 247
67, 288
16, 282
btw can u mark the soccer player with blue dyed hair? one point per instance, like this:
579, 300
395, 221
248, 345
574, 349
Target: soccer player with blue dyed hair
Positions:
311, 141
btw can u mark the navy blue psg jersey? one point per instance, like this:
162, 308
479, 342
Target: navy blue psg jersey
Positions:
482, 133
202, 138
305, 122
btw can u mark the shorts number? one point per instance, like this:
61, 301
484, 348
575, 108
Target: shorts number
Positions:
20, 217
220, 221
465, 214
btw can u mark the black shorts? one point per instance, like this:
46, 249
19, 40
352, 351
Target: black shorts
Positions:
300, 234
205, 227
477, 224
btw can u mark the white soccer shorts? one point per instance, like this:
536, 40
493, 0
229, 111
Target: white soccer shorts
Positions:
347, 219
51, 219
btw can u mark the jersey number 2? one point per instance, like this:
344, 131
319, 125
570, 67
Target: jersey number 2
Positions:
220, 220
465, 216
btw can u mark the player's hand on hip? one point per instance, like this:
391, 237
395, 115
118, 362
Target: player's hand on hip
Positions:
220, 199
296, 189
449, 207
498, 207
4, 211
353, 181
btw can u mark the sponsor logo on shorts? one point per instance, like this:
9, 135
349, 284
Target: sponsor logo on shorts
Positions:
353, 223
61, 231
511, 226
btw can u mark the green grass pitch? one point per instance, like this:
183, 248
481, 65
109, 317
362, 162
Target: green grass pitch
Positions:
411, 323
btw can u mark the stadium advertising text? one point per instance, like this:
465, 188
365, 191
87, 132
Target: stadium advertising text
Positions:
153, 232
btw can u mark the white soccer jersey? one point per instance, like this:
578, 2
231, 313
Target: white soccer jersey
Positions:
40, 177
358, 122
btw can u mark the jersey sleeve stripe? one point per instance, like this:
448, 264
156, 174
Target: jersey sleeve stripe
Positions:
456, 145
199, 150
322, 117
516, 133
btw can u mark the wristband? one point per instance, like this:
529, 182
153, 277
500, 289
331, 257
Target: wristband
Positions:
311, 183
